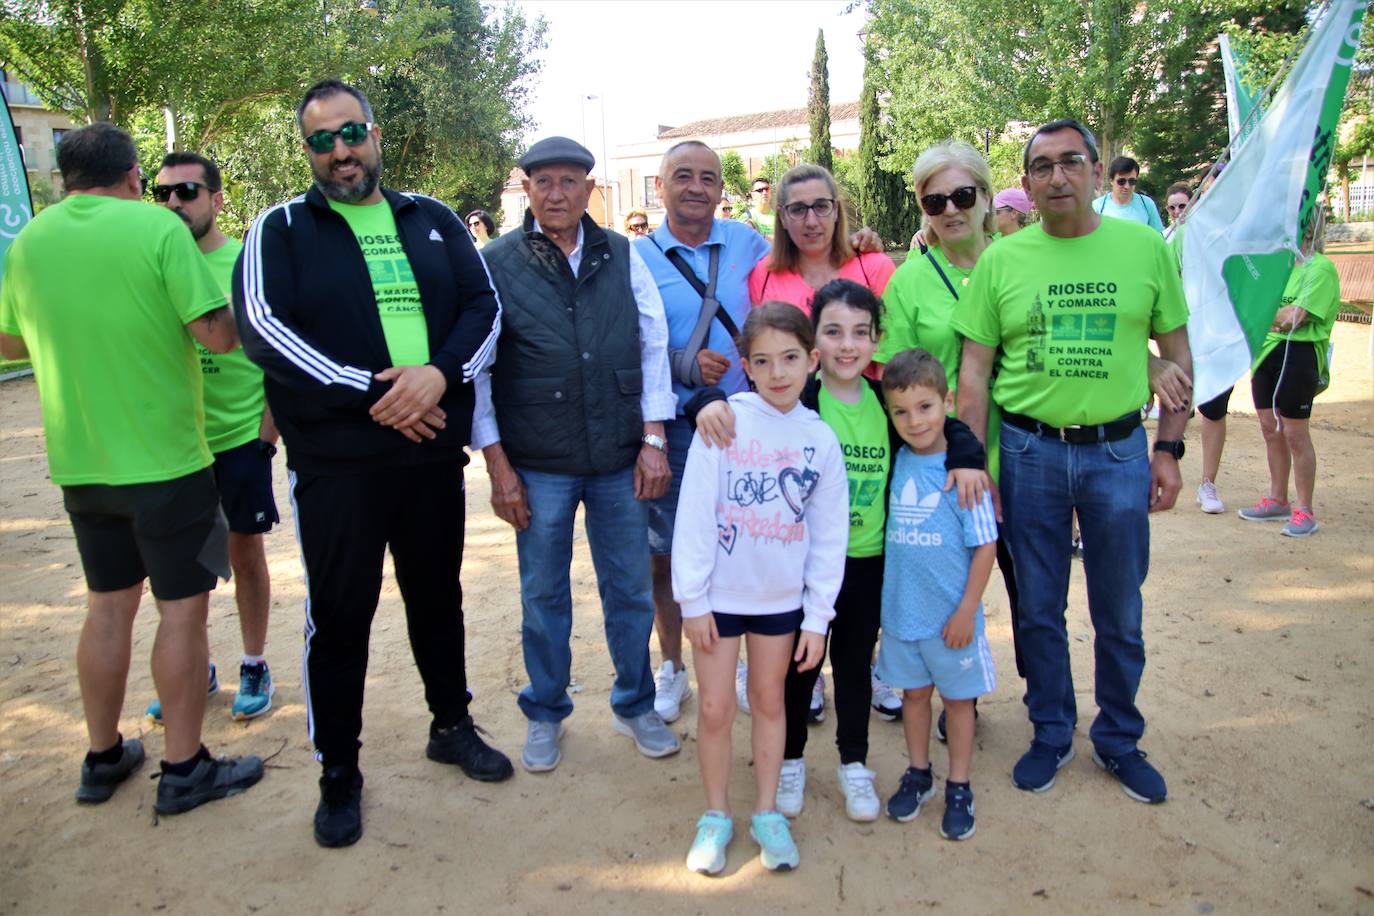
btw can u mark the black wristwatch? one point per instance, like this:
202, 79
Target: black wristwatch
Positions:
1172, 446
266, 449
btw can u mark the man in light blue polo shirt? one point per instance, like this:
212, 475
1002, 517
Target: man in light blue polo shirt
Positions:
1122, 200
690, 185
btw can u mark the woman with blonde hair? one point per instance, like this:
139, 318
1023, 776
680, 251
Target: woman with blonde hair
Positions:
814, 246
636, 224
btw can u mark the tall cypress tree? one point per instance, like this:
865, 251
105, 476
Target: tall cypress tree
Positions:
885, 204
818, 106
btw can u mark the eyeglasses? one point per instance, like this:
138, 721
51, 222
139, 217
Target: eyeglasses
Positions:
352, 134
1072, 164
823, 207
186, 191
763, 190
639, 227
1126, 182
963, 198
474, 224
1172, 207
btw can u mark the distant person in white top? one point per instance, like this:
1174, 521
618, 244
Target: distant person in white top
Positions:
1121, 199
759, 549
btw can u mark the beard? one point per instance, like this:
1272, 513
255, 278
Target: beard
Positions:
343, 191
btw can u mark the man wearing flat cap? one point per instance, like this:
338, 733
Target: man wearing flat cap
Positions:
572, 413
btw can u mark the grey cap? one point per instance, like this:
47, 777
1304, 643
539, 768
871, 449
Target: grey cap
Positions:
557, 149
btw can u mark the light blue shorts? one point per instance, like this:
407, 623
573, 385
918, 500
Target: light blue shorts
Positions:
959, 674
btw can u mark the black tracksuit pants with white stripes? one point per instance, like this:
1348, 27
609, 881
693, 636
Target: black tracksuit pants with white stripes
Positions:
345, 524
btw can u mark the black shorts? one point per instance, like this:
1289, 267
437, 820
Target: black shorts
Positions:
1216, 408
1292, 384
730, 625
243, 475
171, 532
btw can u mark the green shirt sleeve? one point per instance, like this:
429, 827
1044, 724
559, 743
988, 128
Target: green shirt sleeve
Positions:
1171, 309
191, 286
1321, 295
899, 315
979, 319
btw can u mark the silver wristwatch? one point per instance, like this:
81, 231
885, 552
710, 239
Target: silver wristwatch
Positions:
657, 442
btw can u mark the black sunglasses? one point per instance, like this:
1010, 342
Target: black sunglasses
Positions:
186, 191
352, 134
1126, 182
963, 198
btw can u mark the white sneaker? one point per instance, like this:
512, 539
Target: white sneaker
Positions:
860, 800
816, 714
792, 787
742, 686
886, 703
1208, 499
670, 689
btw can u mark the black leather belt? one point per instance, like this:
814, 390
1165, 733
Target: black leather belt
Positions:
1119, 428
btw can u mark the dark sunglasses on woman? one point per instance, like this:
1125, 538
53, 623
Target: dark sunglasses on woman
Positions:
963, 198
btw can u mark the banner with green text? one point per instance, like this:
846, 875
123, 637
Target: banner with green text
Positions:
1244, 234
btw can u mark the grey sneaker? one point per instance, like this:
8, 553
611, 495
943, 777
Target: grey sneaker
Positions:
1266, 510
98, 781
1302, 524
213, 777
541, 752
652, 737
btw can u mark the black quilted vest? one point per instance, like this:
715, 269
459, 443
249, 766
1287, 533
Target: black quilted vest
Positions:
567, 378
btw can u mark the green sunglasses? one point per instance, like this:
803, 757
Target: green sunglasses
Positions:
352, 134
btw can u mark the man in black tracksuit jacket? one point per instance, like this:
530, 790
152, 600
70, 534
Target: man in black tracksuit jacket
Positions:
374, 445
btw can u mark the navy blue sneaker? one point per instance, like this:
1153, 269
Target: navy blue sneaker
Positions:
940, 723
1036, 769
1138, 778
958, 823
917, 788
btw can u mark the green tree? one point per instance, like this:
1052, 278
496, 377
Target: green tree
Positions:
883, 200
734, 175
818, 107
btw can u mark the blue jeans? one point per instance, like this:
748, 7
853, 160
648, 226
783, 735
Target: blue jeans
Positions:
1043, 482
617, 529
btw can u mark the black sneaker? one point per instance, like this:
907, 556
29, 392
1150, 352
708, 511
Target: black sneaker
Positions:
958, 823
212, 778
461, 746
339, 818
98, 780
915, 790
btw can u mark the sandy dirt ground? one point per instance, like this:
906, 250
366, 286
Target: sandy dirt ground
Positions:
1258, 693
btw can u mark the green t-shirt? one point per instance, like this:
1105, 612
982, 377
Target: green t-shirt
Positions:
765, 222
393, 282
101, 289
1073, 318
234, 399
862, 431
1314, 287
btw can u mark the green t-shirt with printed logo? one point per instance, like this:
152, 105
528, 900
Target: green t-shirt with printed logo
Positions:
862, 431
393, 282
234, 399
1073, 318
101, 289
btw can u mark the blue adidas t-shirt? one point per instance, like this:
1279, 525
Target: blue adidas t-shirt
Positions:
930, 541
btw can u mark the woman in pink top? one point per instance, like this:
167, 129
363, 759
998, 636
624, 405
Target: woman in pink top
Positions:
813, 247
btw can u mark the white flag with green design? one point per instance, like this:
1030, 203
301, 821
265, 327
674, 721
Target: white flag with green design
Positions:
1241, 97
1243, 235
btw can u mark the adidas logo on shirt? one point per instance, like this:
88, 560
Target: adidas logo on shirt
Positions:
910, 509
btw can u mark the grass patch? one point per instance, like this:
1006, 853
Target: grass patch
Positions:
10, 365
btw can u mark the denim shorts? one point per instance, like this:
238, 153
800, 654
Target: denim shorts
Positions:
731, 625
959, 674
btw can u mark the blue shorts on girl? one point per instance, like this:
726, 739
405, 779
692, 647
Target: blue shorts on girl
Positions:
930, 543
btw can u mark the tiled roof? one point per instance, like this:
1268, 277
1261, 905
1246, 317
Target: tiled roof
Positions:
761, 120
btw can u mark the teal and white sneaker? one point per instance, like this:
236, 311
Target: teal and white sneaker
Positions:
154, 710
776, 849
255, 692
715, 830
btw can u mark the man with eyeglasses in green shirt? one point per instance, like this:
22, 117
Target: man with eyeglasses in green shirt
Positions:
1066, 309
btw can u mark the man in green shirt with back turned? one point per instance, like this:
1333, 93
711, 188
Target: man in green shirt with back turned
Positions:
238, 429
105, 293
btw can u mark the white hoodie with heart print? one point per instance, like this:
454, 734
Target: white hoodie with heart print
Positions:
762, 527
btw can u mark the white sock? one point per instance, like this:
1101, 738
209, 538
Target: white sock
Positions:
253, 660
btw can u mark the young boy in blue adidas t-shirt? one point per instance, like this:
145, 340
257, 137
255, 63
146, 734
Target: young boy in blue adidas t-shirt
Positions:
938, 559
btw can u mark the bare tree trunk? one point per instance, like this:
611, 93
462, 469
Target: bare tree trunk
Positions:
98, 102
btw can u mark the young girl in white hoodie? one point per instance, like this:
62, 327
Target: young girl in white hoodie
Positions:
758, 552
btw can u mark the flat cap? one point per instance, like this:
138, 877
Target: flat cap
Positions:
557, 149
